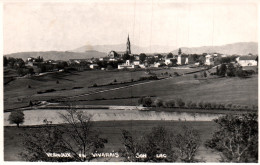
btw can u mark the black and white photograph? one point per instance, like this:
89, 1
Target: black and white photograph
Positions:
130, 81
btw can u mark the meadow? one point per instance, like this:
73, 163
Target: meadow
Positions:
19, 92
112, 131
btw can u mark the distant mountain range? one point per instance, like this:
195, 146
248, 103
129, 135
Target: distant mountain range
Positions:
122, 47
240, 48
59, 55
96, 51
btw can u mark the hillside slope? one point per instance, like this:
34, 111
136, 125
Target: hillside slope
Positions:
241, 48
58, 55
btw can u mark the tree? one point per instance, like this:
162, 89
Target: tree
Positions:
16, 117
231, 70
5, 61
142, 57
158, 141
188, 143
151, 60
126, 57
204, 74
145, 101
179, 51
158, 103
170, 55
179, 102
76, 137
236, 138
222, 70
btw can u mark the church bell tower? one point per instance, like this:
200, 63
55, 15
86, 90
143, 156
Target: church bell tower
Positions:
128, 46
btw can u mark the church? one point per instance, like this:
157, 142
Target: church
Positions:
118, 54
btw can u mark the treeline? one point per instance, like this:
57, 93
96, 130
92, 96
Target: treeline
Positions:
230, 70
179, 103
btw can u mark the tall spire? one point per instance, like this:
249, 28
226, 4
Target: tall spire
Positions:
128, 46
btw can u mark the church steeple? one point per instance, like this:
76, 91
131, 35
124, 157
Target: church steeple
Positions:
128, 46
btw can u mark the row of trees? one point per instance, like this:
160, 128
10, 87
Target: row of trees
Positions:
231, 71
236, 139
180, 103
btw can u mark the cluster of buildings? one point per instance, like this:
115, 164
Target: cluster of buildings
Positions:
126, 59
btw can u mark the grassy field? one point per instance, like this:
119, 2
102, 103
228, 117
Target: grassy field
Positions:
112, 131
17, 93
220, 90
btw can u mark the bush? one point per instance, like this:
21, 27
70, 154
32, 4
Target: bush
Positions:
57, 82
169, 104
193, 105
179, 102
228, 106
94, 85
158, 103
145, 101
195, 76
200, 105
188, 104
115, 80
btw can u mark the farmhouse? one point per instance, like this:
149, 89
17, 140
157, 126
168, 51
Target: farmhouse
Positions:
182, 59
247, 60
209, 60
93, 66
127, 65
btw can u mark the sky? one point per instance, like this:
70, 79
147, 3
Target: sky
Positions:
43, 26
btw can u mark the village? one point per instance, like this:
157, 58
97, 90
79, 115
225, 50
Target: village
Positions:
127, 60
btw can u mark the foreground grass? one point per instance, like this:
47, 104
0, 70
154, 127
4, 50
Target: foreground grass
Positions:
112, 131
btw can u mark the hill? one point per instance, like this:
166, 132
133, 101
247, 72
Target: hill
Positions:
240, 48
122, 47
58, 55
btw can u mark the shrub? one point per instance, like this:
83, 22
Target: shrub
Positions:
57, 82
145, 101
195, 76
228, 106
200, 105
176, 74
179, 102
29, 86
213, 105
207, 105
95, 85
158, 103
115, 80
188, 104
169, 104
193, 105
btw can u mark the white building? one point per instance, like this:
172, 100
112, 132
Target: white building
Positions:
93, 66
247, 60
209, 60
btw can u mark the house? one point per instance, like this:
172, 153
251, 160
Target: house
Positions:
247, 60
136, 62
31, 59
93, 66
209, 60
168, 61
129, 65
182, 59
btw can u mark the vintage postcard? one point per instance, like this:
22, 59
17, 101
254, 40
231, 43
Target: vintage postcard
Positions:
130, 81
